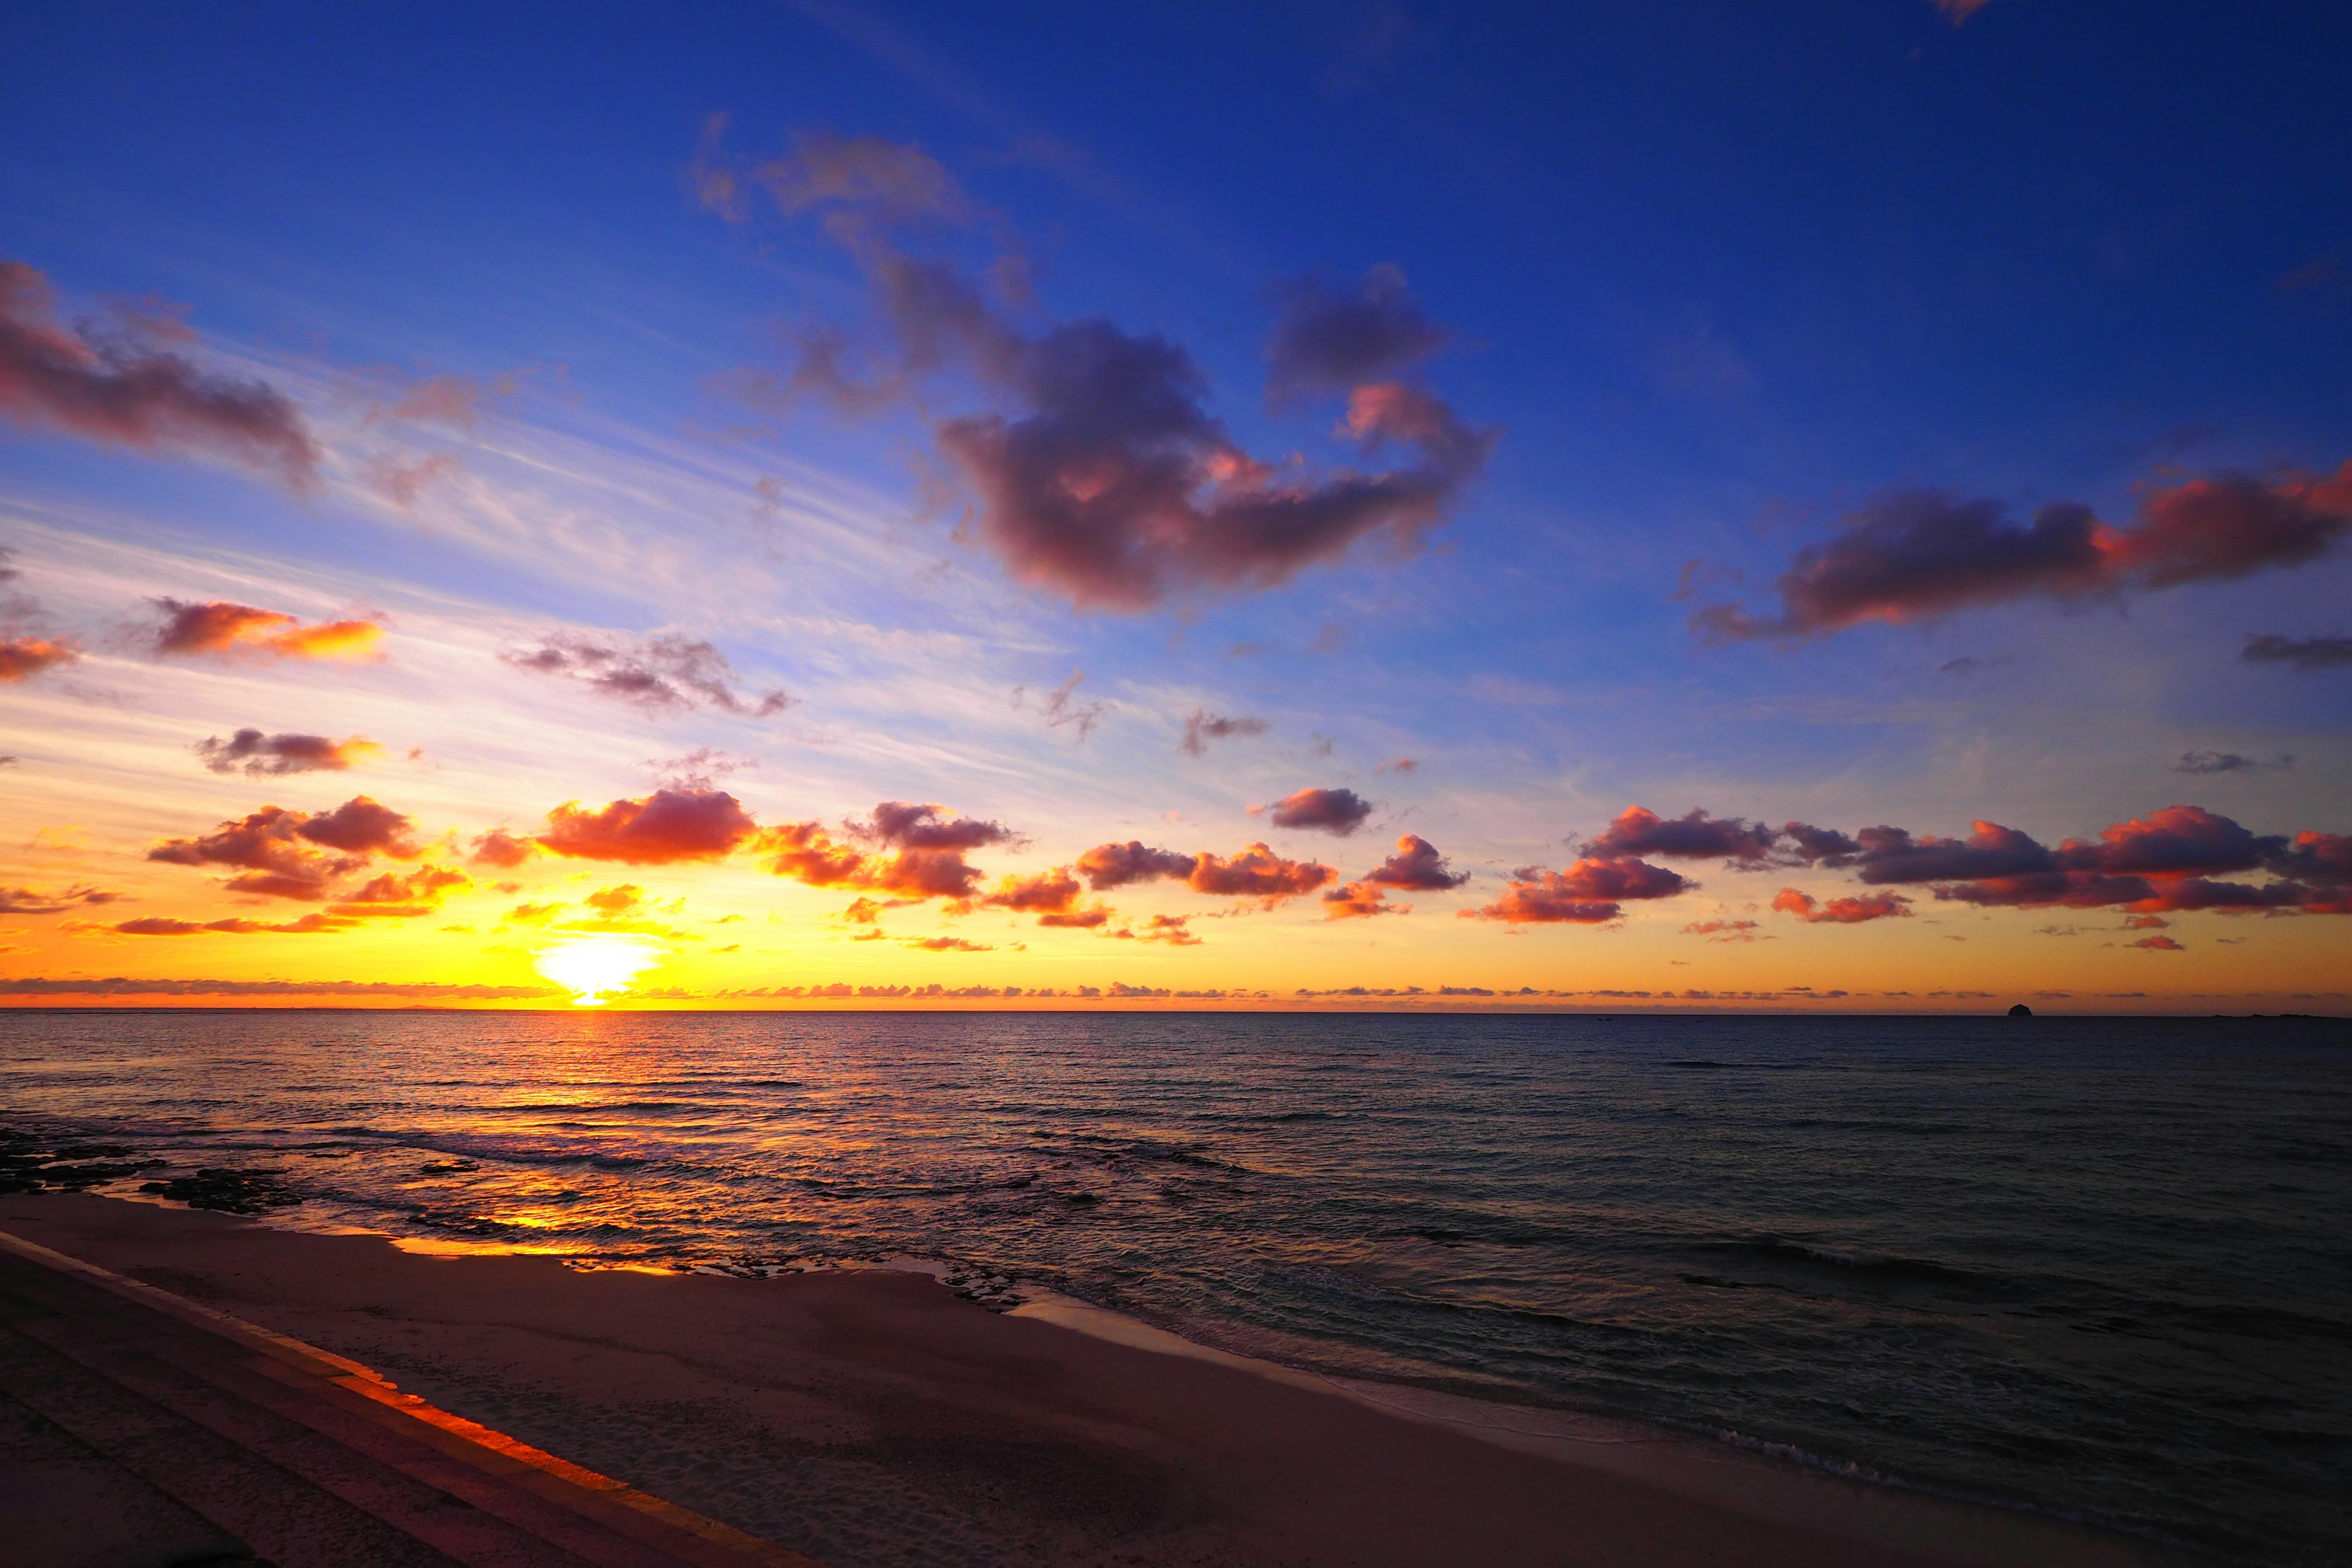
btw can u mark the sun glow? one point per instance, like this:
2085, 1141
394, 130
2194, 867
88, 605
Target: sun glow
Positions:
593, 968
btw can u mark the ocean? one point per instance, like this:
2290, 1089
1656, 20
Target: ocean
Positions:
2100, 1269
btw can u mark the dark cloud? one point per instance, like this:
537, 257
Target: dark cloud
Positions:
2179, 840
283, 854
906, 826
363, 827
30, 901
1326, 341
2157, 945
1117, 865
1640, 831
1722, 930
1201, 727
1416, 868
1099, 476
130, 392
159, 925
1339, 812
1062, 706
2211, 761
1589, 892
1112, 487
1919, 554
21, 658
2163, 862
669, 673
1813, 846
256, 754
1257, 872
2303, 652
1893, 855
667, 827
1841, 910
189, 629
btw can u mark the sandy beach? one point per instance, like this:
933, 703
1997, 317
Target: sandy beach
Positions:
872, 1417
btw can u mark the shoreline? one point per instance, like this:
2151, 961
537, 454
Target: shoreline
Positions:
857, 1414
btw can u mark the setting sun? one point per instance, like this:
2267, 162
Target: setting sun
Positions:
595, 968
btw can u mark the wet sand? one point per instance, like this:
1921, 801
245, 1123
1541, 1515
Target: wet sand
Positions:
874, 1418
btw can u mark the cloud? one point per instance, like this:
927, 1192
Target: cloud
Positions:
363, 827
124, 986
1112, 487
190, 629
665, 827
279, 852
1919, 554
1841, 911
926, 859
1099, 476
1722, 930
2211, 761
499, 849
859, 180
1416, 867
1062, 706
619, 899
2157, 945
256, 756
21, 658
1257, 872
117, 389
1201, 727
1813, 846
948, 944
1174, 930
30, 901
1339, 812
306, 925
1042, 892
1117, 865
2165, 861
1640, 831
2304, 654
1958, 11
1325, 341
393, 895
1360, 897
667, 673
1589, 892
1399, 766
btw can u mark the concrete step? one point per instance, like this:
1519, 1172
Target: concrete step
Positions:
305, 1457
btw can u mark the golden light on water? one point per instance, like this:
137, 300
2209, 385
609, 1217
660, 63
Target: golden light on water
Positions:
595, 968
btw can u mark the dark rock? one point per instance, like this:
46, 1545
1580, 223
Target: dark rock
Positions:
227, 1191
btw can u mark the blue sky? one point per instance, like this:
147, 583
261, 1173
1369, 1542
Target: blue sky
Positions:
1716, 281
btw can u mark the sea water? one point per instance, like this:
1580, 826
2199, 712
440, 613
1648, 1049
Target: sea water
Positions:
2094, 1267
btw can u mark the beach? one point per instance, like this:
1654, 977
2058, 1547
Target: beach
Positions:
871, 1417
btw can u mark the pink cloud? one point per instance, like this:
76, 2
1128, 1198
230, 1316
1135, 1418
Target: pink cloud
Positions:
665, 827
1843, 910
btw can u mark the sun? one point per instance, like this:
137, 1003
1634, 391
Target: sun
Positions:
593, 967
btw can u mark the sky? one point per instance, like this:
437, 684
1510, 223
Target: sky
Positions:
1707, 506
